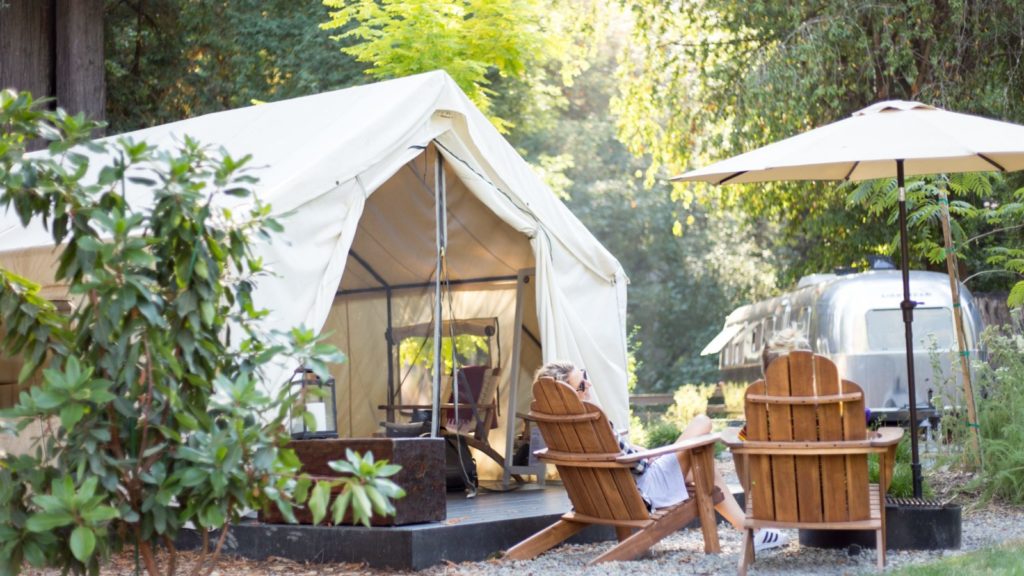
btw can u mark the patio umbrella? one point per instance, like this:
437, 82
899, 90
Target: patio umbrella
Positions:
888, 139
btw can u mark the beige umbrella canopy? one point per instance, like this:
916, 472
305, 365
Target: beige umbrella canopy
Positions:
869, 143
888, 139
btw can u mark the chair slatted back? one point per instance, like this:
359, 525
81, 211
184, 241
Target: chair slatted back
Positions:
608, 493
802, 400
477, 385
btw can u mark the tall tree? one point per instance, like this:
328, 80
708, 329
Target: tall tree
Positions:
174, 59
709, 78
535, 43
688, 268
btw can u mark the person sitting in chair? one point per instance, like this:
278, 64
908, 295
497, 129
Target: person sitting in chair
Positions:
662, 480
781, 344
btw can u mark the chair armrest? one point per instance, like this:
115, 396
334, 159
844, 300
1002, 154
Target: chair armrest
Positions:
689, 444
731, 437
808, 448
887, 436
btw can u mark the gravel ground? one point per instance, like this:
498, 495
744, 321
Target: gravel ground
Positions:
682, 553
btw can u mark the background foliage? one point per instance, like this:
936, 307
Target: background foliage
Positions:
172, 59
708, 79
606, 99
1000, 410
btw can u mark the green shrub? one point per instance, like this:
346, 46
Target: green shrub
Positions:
1000, 387
152, 398
689, 401
661, 433
902, 483
734, 393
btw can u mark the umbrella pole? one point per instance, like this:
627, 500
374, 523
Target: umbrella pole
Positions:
958, 322
908, 318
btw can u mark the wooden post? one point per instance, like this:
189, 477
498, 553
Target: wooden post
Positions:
26, 50
958, 322
54, 48
79, 70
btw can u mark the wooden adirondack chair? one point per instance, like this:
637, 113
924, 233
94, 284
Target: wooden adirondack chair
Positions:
581, 444
806, 453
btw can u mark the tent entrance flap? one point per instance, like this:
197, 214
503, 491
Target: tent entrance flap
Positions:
387, 333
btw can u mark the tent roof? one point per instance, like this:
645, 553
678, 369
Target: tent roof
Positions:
303, 146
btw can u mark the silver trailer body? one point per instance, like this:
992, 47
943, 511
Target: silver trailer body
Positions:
856, 321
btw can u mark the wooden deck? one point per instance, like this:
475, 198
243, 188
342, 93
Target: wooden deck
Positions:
475, 529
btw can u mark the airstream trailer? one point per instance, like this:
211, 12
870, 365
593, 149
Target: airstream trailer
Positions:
855, 320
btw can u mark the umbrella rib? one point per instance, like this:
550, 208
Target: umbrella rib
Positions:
852, 168
731, 176
992, 162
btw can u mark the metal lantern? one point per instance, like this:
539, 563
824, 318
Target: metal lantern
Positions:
321, 405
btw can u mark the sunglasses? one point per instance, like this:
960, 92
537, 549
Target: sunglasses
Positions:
583, 382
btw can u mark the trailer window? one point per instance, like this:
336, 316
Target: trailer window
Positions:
886, 333
802, 321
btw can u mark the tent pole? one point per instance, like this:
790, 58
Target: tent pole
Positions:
441, 232
387, 334
391, 360
958, 322
421, 285
908, 318
513, 383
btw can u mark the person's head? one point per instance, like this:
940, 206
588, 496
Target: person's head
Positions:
782, 343
565, 371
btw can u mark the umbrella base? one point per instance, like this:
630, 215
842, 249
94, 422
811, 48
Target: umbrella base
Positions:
910, 524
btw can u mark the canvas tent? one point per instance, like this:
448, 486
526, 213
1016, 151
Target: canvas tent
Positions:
354, 173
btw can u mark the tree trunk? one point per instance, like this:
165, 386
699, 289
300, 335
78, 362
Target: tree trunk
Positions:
79, 70
54, 48
26, 46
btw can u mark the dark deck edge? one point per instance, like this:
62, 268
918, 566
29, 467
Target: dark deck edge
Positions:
413, 547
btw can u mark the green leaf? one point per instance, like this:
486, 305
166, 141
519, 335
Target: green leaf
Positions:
212, 516
186, 421
388, 470
46, 521
318, 501
207, 312
1016, 298
340, 506
71, 414
301, 491
389, 488
83, 542
381, 505
87, 490
108, 175
100, 514
361, 507
89, 244
343, 466
34, 554
192, 477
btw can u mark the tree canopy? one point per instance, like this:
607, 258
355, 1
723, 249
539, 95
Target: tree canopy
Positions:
172, 59
708, 79
607, 99
537, 44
